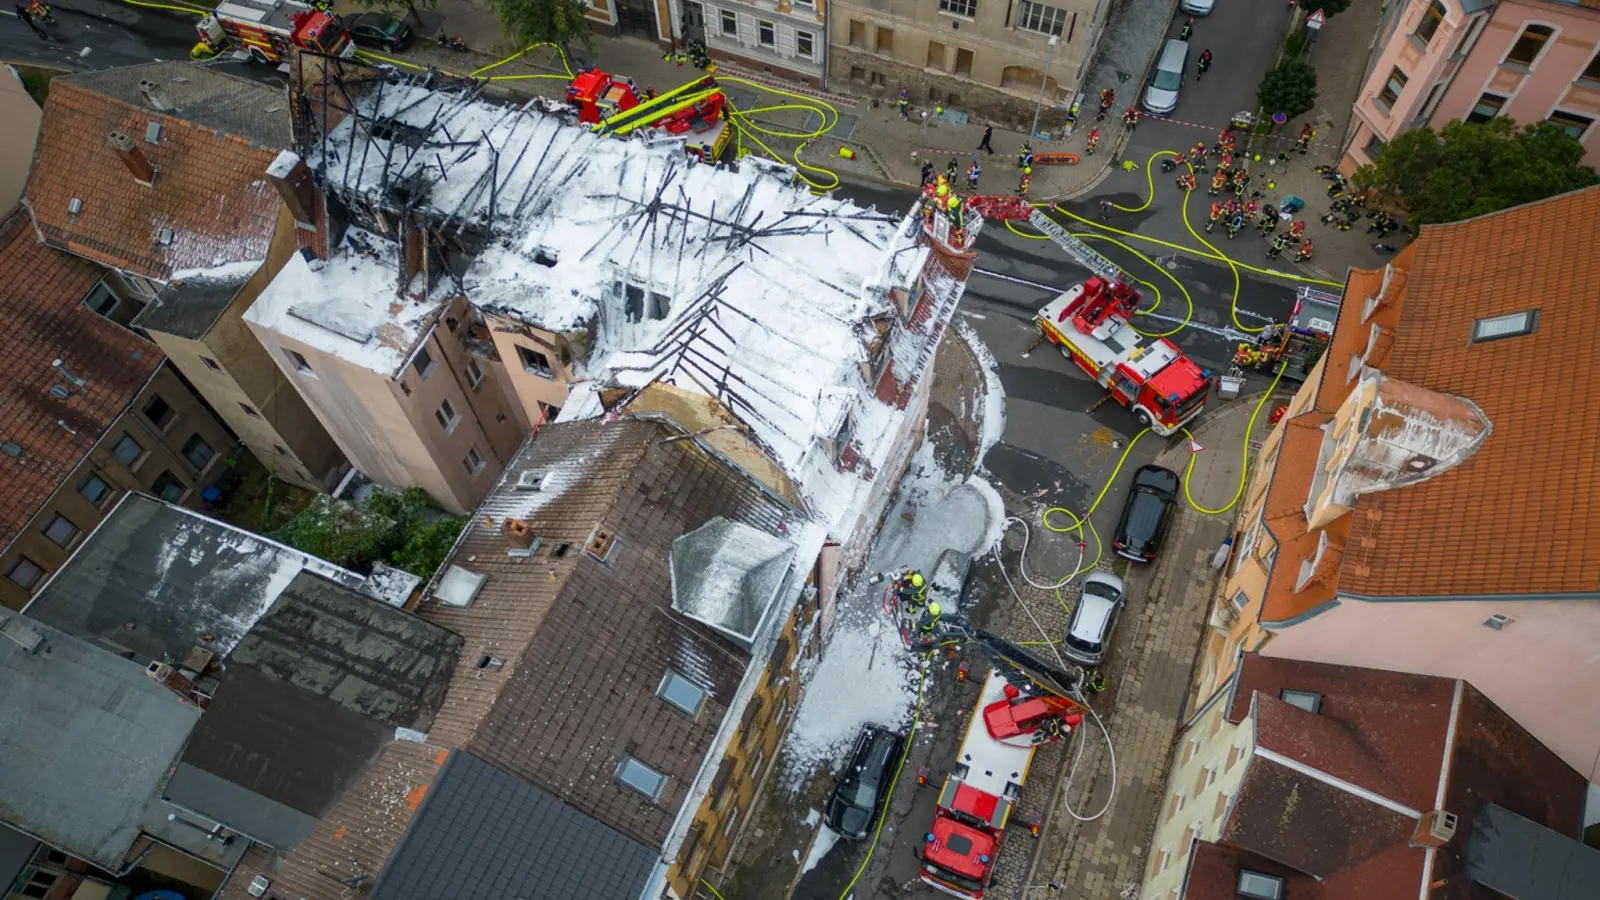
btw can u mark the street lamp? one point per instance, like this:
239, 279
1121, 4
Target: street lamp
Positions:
1054, 40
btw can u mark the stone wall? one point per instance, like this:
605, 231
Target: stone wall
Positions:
983, 101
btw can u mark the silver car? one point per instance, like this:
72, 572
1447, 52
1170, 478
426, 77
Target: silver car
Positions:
1094, 619
1161, 96
1197, 7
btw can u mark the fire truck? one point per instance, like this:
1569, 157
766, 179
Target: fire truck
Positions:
1008, 724
266, 29
692, 112
1296, 343
1151, 376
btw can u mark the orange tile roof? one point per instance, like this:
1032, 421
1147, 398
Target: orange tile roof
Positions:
1516, 517
211, 188
1286, 520
41, 307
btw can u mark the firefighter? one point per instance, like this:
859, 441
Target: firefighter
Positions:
930, 619
1186, 181
1235, 222
905, 105
1094, 138
1279, 244
1304, 252
1303, 142
911, 592
1186, 31
950, 170
1053, 728
1094, 682
1197, 156
1268, 223
973, 171
1025, 183
1177, 159
1108, 99
953, 210
1225, 161
927, 173
1297, 230
1130, 118
1241, 182
1203, 64
1216, 214
1218, 182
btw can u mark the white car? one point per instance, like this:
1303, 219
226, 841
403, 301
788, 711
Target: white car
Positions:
1094, 619
1197, 7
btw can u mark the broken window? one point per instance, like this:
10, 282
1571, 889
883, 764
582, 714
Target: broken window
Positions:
633, 303
533, 361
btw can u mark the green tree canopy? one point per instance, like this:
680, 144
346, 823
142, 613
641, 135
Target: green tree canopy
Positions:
1468, 170
1289, 88
558, 22
403, 530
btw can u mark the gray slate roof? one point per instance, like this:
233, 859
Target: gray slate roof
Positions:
1520, 858
727, 574
190, 307
222, 102
86, 738
483, 834
174, 576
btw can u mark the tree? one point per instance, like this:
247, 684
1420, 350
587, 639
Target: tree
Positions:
403, 530
1289, 88
1468, 170
558, 22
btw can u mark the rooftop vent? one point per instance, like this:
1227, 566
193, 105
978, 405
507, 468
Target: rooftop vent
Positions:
727, 575
458, 587
11, 448
74, 206
164, 237
601, 543
155, 96
19, 633
1434, 829
530, 480
152, 133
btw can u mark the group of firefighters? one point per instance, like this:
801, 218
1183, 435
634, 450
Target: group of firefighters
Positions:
1234, 214
939, 198
910, 592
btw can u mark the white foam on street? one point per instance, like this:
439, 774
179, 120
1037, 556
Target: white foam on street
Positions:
824, 842
990, 406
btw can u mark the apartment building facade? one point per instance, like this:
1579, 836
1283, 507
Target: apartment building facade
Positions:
981, 55
1409, 506
785, 38
1444, 60
155, 171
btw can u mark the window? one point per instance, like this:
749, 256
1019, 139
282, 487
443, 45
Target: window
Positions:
963, 66
1489, 106
1040, 18
1591, 72
198, 452
127, 450
641, 777
1239, 600
533, 361
968, 8
423, 363
1430, 22
1257, 886
1513, 325
1220, 809
94, 489
472, 462
101, 300
1430, 102
452, 323
404, 388
766, 33
1498, 621
1392, 89
1572, 123
447, 416
61, 530
1233, 756
250, 410
1189, 750
298, 362
858, 35
935, 55
1310, 701
474, 374
168, 487
1374, 148
1527, 47
211, 364
1162, 859
490, 663
730, 23
681, 692
24, 572
39, 883
159, 413
885, 40
805, 44
733, 819
1175, 806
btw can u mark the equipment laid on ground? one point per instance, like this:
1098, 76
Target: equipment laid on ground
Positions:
266, 29
1055, 159
1295, 345
693, 112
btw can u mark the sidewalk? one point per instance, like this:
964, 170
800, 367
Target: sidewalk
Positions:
1339, 54
1148, 677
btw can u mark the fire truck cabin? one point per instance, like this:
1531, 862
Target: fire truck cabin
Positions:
266, 29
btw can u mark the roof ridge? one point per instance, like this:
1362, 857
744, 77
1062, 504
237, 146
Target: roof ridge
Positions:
1348, 787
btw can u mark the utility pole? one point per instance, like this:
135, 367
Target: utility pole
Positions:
1043, 82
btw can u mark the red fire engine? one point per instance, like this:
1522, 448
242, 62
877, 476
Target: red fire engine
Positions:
959, 851
1149, 375
266, 29
613, 104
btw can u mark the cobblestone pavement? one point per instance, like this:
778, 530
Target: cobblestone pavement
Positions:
1148, 678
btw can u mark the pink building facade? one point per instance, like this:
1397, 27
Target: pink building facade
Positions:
1441, 60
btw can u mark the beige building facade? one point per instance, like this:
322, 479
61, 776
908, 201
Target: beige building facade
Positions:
22, 117
981, 55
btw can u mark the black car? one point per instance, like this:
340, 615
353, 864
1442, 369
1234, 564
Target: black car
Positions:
864, 787
1146, 514
380, 31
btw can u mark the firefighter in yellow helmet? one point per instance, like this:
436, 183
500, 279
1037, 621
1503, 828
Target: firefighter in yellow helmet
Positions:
911, 592
930, 618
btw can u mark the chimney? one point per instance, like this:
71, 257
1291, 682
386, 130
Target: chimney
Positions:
518, 532
133, 158
155, 96
416, 247
292, 177
1434, 829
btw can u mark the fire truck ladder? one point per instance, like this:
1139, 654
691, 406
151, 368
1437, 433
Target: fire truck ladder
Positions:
1077, 249
1016, 664
652, 111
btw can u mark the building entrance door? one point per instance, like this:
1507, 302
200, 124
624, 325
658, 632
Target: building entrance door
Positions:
638, 18
694, 21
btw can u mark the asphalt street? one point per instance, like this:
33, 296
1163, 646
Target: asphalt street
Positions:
103, 34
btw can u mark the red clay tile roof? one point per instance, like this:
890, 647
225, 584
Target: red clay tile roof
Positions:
43, 319
210, 188
1213, 874
1535, 482
1284, 512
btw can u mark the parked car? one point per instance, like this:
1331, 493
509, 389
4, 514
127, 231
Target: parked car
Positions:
1146, 514
1161, 96
864, 788
1197, 7
1093, 619
380, 31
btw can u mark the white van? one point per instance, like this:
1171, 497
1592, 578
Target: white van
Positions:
1161, 96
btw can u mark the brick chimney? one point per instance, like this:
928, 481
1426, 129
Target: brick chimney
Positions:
518, 532
292, 177
1434, 829
155, 96
133, 158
